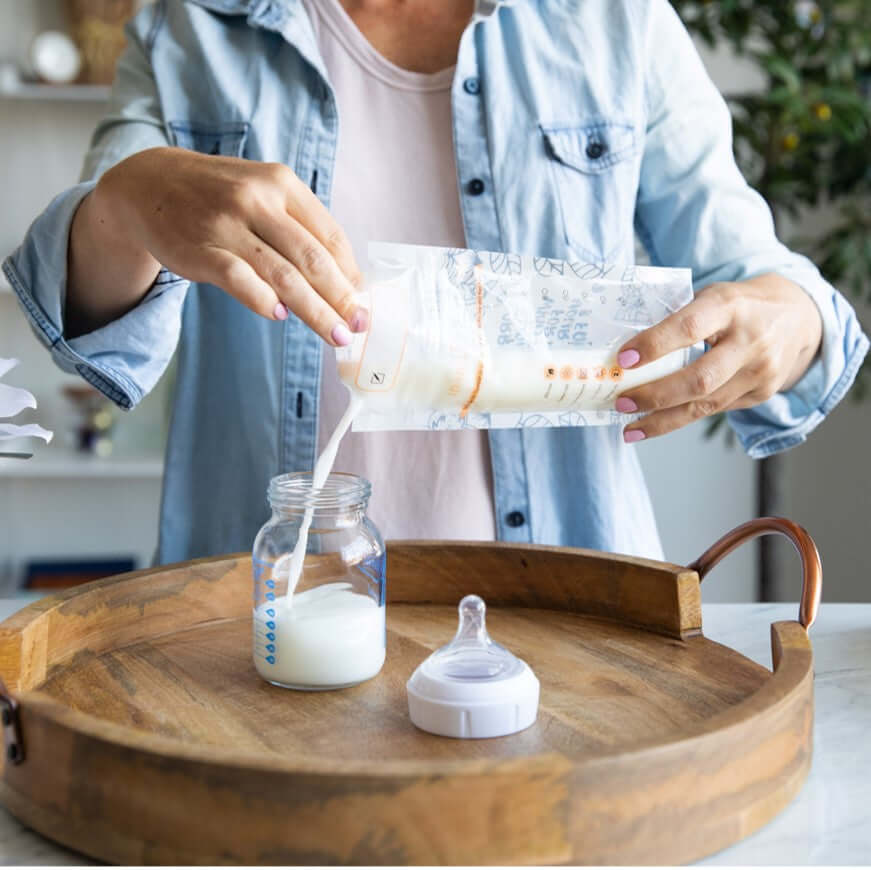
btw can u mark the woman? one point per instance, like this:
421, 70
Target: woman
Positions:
256, 146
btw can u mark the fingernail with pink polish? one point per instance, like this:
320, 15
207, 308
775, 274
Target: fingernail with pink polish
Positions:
341, 335
280, 312
633, 435
625, 405
360, 320
628, 358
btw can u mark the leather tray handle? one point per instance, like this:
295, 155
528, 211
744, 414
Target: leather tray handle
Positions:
812, 571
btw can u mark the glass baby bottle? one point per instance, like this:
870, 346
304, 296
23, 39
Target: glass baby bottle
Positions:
329, 632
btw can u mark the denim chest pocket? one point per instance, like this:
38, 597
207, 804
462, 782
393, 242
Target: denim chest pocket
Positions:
227, 140
595, 173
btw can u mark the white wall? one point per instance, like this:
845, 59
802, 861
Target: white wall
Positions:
828, 491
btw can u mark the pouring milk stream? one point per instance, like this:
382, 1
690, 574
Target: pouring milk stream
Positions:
323, 467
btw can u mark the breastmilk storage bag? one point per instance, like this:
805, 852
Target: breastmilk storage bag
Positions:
473, 339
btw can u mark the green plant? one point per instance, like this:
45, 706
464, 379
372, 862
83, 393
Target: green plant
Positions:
804, 139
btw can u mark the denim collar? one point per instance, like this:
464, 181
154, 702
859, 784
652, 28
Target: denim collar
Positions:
274, 14
270, 14
289, 18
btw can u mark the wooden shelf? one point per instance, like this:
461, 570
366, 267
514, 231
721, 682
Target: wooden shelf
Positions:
65, 93
64, 463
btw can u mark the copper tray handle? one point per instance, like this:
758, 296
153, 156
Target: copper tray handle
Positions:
812, 570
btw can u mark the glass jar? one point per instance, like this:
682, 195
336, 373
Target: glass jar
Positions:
331, 633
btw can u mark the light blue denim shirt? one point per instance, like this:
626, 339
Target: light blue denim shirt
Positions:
537, 81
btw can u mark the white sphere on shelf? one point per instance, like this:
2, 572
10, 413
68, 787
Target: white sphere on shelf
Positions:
55, 58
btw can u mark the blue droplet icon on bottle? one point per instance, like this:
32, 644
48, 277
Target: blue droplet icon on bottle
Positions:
270, 596
270, 635
270, 584
270, 659
270, 612
270, 647
270, 625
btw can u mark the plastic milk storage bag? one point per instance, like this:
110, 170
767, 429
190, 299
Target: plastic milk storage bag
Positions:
462, 338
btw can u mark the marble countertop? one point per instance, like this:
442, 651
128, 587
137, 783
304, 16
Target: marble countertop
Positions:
829, 822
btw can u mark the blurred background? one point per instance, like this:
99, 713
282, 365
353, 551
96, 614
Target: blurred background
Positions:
798, 75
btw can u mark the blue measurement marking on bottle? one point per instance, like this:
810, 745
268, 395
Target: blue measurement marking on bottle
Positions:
265, 611
263, 578
265, 642
264, 650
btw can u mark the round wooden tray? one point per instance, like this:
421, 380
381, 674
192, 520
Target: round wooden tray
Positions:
137, 730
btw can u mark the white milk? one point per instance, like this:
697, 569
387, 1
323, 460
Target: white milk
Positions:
331, 637
505, 379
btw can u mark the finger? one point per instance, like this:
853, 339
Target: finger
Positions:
305, 207
295, 292
295, 244
696, 381
706, 315
239, 279
662, 422
300, 202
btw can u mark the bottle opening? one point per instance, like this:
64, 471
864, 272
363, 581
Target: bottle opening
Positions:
341, 491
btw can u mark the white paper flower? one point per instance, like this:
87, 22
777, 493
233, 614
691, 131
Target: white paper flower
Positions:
13, 401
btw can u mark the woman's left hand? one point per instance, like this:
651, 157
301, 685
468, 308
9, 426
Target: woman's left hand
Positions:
763, 334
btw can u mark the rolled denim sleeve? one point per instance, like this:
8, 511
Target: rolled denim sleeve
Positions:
125, 358
695, 209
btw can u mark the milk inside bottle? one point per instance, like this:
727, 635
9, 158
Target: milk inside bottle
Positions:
462, 338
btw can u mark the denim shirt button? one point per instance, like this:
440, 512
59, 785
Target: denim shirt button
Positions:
476, 187
515, 519
472, 86
596, 149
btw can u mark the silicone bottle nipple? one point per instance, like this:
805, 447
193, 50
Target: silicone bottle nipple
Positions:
473, 687
472, 655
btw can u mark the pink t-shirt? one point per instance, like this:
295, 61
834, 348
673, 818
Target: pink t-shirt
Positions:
395, 180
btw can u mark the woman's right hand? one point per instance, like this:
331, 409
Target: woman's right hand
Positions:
253, 229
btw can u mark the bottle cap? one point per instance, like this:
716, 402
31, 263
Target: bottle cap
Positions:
473, 687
